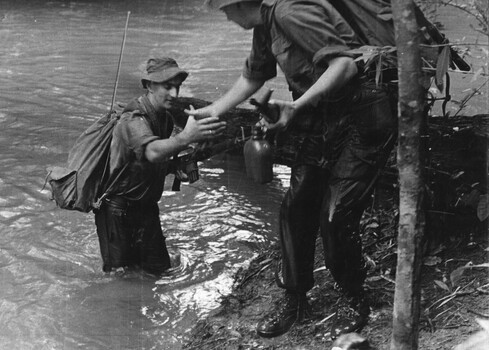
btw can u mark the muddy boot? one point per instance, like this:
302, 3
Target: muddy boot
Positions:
351, 315
292, 308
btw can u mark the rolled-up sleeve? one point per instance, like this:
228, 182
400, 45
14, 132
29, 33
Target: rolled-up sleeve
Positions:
136, 133
260, 64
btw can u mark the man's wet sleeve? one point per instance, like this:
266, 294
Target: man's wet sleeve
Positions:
136, 134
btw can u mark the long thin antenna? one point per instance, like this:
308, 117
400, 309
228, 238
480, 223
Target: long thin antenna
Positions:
120, 61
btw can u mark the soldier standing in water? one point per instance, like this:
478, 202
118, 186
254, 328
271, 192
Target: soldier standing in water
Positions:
128, 222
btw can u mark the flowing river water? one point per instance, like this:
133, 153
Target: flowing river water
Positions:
58, 62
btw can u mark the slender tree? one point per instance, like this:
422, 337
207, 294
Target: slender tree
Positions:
410, 164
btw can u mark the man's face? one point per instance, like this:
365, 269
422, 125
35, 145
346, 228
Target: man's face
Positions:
164, 93
240, 14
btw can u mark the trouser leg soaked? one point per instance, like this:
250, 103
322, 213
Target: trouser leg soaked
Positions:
332, 200
131, 235
299, 223
348, 192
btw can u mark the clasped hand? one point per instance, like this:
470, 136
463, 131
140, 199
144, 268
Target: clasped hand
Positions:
201, 127
287, 112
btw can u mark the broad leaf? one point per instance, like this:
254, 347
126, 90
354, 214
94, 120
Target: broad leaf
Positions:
457, 274
431, 260
385, 13
385, 16
442, 285
442, 67
482, 207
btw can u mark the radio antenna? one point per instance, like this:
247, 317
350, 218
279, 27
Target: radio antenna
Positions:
120, 61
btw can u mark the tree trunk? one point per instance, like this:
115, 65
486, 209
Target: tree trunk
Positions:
410, 165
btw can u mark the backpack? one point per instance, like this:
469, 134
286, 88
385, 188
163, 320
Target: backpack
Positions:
373, 23
83, 184
371, 20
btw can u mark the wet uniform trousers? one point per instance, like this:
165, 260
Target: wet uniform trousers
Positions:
332, 198
130, 234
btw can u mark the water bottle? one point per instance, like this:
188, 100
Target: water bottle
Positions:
258, 157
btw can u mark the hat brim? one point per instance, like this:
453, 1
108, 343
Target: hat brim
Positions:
165, 75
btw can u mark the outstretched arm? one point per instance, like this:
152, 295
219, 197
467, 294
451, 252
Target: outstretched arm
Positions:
340, 70
242, 89
195, 130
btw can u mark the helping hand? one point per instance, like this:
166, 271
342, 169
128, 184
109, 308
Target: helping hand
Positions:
202, 127
201, 113
287, 113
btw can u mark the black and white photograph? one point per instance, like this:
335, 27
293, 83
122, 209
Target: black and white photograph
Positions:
244, 174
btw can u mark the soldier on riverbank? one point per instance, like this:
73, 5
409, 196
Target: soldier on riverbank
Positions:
345, 128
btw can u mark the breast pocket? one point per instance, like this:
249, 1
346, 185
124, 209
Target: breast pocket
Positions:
294, 63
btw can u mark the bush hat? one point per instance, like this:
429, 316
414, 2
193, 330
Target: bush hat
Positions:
222, 3
162, 69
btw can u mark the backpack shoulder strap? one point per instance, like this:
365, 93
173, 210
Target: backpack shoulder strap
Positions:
346, 13
371, 20
99, 201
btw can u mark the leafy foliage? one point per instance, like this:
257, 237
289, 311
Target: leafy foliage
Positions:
379, 60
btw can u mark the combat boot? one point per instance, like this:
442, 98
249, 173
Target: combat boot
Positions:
292, 308
351, 315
